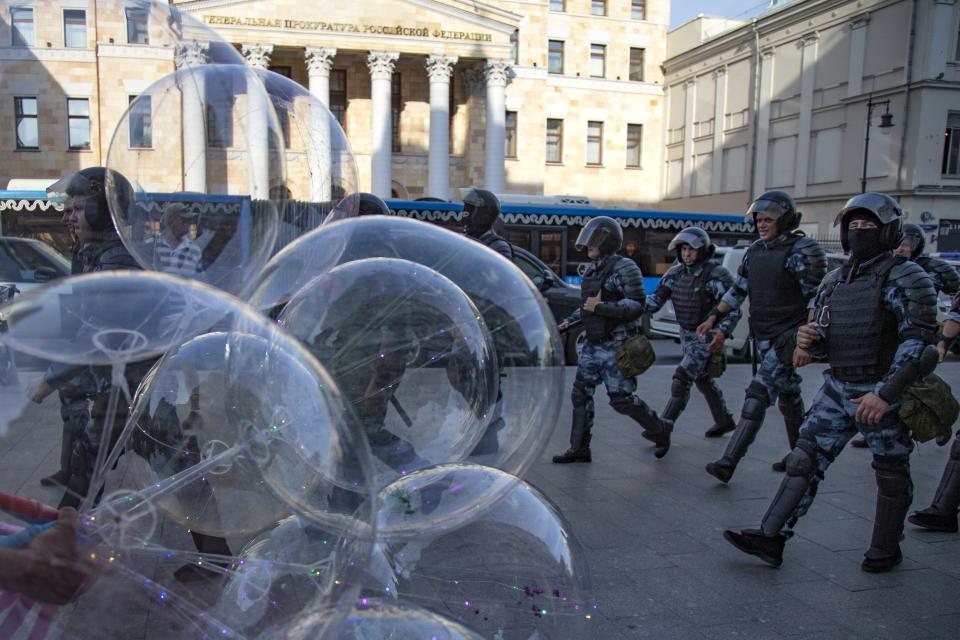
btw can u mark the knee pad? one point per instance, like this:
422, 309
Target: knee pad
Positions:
621, 402
802, 460
680, 386
754, 408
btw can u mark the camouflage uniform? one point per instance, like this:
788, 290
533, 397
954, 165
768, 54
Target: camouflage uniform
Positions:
598, 359
712, 280
775, 380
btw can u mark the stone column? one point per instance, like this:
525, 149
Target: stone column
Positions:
319, 64
858, 50
496, 74
439, 69
808, 67
188, 55
258, 119
381, 64
690, 94
763, 123
719, 124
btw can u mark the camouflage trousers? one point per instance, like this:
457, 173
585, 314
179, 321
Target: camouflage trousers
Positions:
773, 375
598, 363
830, 425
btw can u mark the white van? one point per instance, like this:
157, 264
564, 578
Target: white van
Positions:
664, 322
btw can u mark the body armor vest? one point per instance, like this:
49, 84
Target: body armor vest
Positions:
691, 300
598, 328
776, 301
862, 336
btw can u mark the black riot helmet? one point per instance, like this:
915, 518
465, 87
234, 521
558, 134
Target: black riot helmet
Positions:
480, 209
603, 233
780, 206
913, 237
696, 238
371, 205
885, 209
91, 184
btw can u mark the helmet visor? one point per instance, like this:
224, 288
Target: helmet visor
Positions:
592, 236
70, 186
883, 206
769, 207
691, 238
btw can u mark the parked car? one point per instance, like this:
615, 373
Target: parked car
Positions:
28, 264
664, 322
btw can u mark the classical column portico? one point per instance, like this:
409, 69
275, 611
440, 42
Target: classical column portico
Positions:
257, 55
439, 69
258, 133
189, 54
381, 64
496, 73
319, 63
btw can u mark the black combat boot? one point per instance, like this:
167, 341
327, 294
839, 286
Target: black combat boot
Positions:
750, 421
579, 450
941, 515
723, 422
894, 494
656, 430
791, 407
753, 541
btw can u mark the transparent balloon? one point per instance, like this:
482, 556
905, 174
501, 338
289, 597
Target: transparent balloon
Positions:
375, 618
514, 572
410, 353
528, 349
322, 175
201, 198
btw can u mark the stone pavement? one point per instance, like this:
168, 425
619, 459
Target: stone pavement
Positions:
651, 529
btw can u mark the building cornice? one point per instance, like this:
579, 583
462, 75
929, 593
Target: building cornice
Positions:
113, 50
602, 84
44, 54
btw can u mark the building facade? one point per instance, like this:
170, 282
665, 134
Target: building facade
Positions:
784, 101
522, 96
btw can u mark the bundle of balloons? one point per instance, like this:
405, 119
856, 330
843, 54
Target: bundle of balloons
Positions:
306, 423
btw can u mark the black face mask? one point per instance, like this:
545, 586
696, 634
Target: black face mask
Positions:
864, 243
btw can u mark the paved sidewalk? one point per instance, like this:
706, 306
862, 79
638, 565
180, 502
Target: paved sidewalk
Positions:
651, 529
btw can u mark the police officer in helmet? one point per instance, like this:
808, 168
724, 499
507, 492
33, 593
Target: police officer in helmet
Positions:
875, 319
780, 272
696, 283
372, 205
612, 306
481, 209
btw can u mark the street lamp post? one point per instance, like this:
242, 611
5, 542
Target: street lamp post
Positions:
886, 122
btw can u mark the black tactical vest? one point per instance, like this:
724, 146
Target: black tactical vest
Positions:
691, 300
862, 336
776, 301
598, 328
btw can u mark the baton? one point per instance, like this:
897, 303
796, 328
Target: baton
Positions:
403, 414
753, 353
28, 509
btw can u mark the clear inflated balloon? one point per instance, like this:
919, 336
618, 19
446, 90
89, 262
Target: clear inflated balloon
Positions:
410, 353
515, 572
528, 348
216, 218
379, 619
321, 168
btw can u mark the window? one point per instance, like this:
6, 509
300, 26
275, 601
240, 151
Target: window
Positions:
338, 96
951, 145
554, 140
510, 126
515, 46
634, 145
558, 5
555, 56
598, 7
396, 106
636, 63
594, 143
638, 10
75, 28
141, 122
78, 123
137, 26
22, 33
28, 132
219, 118
598, 60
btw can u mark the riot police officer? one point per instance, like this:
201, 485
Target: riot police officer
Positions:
372, 205
944, 276
481, 210
875, 321
781, 272
696, 283
612, 305
941, 515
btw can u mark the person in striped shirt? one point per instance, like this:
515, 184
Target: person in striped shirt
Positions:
174, 250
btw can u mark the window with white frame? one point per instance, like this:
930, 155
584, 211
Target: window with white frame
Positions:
634, 146
21, 18
27, 126
594, 143
554, 140
138, 25
75, 28
598, 60
141, 122
510, 131
78, 124
555, 56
